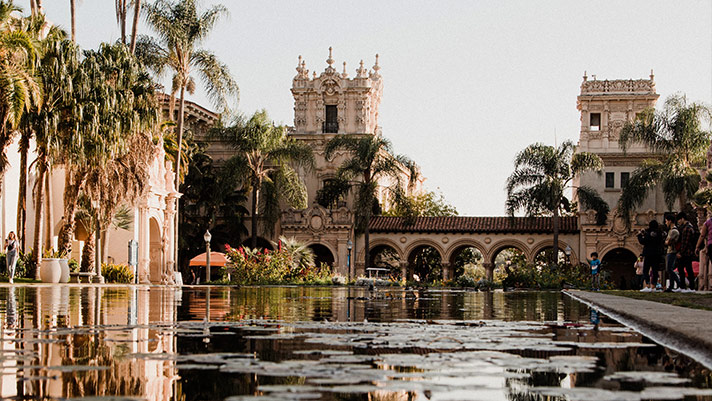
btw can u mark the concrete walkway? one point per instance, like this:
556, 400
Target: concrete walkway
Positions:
683, 329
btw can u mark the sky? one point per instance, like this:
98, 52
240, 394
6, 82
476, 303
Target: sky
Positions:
467, 84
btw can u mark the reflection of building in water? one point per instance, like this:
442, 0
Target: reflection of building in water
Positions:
89, 328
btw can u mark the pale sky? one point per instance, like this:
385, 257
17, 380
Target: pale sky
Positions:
467, 84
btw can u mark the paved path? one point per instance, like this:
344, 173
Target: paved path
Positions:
683, 329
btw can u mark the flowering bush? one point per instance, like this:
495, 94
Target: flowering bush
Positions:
117, 273
255, 266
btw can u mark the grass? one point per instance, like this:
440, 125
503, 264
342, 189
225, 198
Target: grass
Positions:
687, 300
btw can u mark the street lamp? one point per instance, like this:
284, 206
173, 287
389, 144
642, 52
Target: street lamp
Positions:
97, 235
349, 246
567, 251
207, 238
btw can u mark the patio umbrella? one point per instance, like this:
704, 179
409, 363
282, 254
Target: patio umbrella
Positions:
216, 259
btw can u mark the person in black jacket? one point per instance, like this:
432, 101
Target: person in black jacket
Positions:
653, 241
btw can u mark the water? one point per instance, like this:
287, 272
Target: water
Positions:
294, 343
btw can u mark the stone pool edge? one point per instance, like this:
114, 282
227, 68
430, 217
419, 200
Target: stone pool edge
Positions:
664, 328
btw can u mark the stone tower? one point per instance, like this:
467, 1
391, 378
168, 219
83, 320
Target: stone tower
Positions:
333, 103
605, 107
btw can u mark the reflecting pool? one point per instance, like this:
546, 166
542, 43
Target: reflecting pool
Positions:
300, 343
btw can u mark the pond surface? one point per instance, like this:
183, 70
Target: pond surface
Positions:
287, 343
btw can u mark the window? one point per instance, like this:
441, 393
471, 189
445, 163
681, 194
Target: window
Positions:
331, 125
595, 124
610, 180
625, 177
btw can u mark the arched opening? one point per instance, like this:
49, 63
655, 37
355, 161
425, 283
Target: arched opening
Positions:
425, 264
322, 255
155, 251
385, 257
507, 258
467, 262
618, 263
544, 256
261, 243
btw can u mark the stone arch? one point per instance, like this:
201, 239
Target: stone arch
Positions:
380, 242
549, 243
508, 243
618, 263
453, 249
413, 253
320, 253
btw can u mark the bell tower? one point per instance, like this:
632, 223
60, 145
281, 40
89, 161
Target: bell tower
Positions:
333, 103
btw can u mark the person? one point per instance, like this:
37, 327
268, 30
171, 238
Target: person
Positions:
638, 266
595, 264
12, 252
652, 241
686, 252
672, 242
705, 242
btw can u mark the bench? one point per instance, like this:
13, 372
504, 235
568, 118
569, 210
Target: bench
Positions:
76, 277
376, 270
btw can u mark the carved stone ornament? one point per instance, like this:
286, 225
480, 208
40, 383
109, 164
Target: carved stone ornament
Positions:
316, 222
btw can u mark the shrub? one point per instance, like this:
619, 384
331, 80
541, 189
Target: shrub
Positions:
281, 266
73, 265
114, 273
548, 277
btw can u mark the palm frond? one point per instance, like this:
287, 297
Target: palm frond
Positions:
589, 198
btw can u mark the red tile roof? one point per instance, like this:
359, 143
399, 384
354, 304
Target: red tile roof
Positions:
464, 224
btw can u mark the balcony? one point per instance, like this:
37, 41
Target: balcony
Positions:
330, 127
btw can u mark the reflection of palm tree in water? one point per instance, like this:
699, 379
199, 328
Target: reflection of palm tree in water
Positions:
11, 312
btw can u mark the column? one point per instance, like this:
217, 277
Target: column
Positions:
169, 276
144, 244
489, 271
404, 269
446, 271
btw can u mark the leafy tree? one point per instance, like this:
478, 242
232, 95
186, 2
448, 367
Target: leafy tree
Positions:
541, 175
426, 204
676, 136
263, 164
369, 158
210, 201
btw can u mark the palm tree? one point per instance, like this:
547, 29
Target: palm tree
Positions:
19, 85
370, 158
679, 143
134, 27
73, 15
180, 29
541, 175
262, 165
115, 113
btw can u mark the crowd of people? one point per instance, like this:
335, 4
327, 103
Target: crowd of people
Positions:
671, 249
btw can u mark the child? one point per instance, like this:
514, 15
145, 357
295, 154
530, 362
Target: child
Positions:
595, 264
638, 265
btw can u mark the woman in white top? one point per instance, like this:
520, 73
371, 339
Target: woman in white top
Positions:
12, 252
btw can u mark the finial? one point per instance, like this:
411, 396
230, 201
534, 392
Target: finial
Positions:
361, 72
585, 76
330, 60
376, 67
652, 76
594, 76
299, 63
344, 74
314, 74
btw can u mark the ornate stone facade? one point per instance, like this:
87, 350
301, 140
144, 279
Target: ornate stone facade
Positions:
327, 105
605, 107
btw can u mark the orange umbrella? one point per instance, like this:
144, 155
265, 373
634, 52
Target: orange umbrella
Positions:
216, 259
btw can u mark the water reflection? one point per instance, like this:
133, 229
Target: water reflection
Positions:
325, 343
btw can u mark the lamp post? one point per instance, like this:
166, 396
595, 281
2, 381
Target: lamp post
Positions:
349, 247
97, 242
567, 251
207, 238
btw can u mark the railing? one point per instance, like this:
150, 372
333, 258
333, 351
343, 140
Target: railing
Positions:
330, 127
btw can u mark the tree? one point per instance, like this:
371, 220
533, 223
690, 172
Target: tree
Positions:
180, 29
541, 175
122, 11
679, 142
19, 84
264, 164
426, 204
73, 17
369, 158
115, 111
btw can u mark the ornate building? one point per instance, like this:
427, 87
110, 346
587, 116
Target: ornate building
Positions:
605, 107
325, 105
